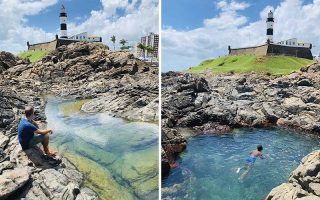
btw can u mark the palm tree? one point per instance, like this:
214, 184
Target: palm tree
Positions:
143, 48
123, 42
113, 40
150, 51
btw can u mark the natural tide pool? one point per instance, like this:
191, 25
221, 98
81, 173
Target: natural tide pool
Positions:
118, 158
207, 168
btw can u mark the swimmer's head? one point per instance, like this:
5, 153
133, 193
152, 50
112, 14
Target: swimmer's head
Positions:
259, 147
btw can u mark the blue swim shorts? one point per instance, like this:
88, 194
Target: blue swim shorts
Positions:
36, 140
250, 160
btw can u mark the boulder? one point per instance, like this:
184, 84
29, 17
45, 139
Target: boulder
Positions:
315, 188
309, 167
3, 140
5, 165
55, 184
294, 105
7, 60
250, 117
304, 82
244, 88
287, 191
17, 70
165, 165
303, 182
270, 112
87, 194
13, 180
202, 85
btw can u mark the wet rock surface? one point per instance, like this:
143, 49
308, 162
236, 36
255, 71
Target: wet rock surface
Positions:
115, 81
215, 104
304, 181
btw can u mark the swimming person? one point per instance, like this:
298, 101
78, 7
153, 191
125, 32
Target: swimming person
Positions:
250, 161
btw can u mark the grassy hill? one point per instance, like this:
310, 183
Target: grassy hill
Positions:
33, 55
275, 65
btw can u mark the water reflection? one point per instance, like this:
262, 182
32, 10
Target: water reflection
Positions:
119, 158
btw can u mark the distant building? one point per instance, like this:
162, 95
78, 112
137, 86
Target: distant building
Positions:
64, 39
85, 37
290, 47
150, 40
294, 43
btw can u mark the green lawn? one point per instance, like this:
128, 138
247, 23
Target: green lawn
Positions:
33, 55
275, 65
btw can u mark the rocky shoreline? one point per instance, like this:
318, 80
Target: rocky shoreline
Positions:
304, 181
116, 83
216, 104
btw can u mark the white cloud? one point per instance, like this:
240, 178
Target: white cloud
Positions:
140, 17
13, 32
183, 49
229, 17
232, 6
110, 6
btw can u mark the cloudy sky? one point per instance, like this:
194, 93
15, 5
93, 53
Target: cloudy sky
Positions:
200, 30
38, 20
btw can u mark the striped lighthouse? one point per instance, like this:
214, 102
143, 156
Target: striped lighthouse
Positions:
270, 21
63, 23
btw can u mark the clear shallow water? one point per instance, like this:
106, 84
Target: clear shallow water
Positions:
119, 158
207, 169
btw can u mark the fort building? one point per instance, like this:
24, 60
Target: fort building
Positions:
63, 39
290, 47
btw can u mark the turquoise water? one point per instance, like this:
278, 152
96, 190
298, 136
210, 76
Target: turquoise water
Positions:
207, 169
119, 158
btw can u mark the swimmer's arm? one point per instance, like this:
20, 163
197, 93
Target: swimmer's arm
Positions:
262, 156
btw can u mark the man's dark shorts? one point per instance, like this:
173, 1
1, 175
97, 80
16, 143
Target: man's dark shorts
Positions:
36, 140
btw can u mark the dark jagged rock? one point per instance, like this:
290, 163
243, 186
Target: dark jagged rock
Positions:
304, 82
311, 68
165, 165
8, 60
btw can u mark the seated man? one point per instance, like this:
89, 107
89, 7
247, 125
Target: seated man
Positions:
27, 129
